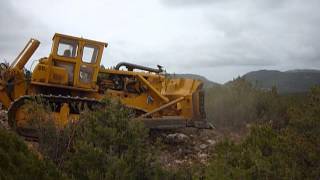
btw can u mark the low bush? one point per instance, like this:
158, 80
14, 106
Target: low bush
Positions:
18, 162
103, 144
290, 152
238, 103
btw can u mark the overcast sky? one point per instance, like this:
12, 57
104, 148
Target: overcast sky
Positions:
219, 39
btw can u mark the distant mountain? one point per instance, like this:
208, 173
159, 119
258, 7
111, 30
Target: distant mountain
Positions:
293, 81
206, 83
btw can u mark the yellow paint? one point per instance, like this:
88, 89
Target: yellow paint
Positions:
63, 115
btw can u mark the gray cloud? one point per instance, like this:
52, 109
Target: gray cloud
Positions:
216, 38
257, 33
189, 2
261, 3
16, 30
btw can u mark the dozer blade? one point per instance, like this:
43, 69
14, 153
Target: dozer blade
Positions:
174, 122
171, 122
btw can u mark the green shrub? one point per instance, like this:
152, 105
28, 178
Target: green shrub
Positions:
290, 152
103, 144
18, 162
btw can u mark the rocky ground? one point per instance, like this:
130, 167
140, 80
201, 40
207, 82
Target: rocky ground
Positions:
186, 147
176, 148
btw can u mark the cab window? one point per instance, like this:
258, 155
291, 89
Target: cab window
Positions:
90, 54
67, 48
86, 74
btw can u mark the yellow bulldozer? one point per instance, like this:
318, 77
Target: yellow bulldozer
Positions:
71, 77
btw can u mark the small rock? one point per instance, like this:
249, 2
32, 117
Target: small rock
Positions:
196, 148
211, 142
248, 126
177, 138
202, 155
178, 161
203, 146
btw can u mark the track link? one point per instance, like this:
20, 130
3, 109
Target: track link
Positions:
76, 105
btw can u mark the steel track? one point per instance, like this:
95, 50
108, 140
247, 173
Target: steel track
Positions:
77, 104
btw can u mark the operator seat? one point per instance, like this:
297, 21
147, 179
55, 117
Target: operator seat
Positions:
68, 66
67, 53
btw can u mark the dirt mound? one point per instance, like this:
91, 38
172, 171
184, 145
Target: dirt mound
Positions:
189, 146
186, 146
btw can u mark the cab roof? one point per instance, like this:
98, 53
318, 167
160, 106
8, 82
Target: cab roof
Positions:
79, 39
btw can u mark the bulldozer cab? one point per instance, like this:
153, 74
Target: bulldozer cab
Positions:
80, 58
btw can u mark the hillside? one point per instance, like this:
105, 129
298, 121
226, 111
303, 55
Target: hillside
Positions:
257, 135
293, 81
207, 83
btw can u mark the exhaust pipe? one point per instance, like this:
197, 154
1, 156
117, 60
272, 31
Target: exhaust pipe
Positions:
131, 67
